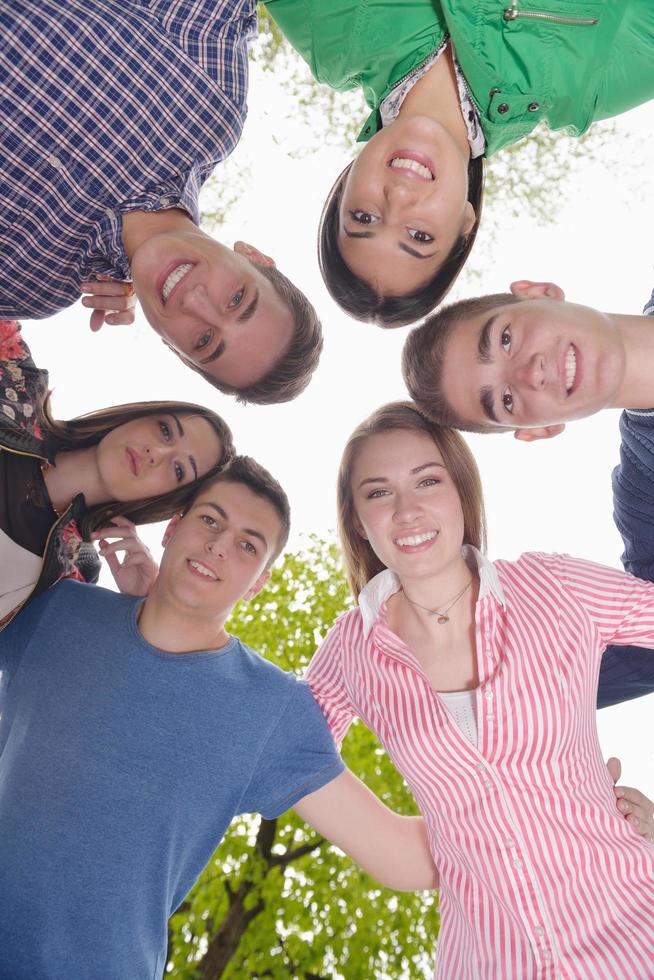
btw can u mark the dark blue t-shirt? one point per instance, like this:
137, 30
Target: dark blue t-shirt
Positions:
121, 766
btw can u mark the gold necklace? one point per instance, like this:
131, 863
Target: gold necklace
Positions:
441, 616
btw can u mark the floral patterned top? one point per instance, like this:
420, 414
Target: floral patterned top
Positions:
63, 553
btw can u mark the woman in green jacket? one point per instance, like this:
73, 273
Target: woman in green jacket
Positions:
450, 82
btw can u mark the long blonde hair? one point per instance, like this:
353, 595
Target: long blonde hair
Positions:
361, 562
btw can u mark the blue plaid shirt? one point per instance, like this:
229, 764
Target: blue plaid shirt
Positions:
107, 106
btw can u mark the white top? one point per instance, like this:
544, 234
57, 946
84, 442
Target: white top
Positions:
462, 705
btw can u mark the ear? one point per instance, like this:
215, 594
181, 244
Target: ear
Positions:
170, 530
544, 432
253, 254
526, 289
469, 218
257, 587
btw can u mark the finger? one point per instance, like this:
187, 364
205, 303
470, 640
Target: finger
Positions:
114, 304
113, 563
615, 768
97, 319
118, 521
135, 558
121, 319
635, 797
107, 287
129, 545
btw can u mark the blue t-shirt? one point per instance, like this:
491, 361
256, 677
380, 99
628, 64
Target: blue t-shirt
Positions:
121, 767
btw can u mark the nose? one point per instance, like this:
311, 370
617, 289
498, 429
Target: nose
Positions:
400, 193
197, 303
407, 509
216, 545
154, 455
531, 371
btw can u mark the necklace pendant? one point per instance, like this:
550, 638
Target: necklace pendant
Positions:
442, 618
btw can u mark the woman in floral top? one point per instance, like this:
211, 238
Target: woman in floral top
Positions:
65, 483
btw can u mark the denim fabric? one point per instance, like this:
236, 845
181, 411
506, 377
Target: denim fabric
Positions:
628, 672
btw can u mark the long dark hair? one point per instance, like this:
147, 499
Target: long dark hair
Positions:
88, 430
359, 299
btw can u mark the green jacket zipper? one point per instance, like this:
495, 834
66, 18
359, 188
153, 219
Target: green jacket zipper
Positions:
512, 13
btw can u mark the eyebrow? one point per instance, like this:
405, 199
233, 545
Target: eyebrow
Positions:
180, 429
219, 351
405, 248
246, 530
486, 401
483, 346
414, 471
246, 314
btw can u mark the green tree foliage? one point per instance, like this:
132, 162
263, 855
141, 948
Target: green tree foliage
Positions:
276, 900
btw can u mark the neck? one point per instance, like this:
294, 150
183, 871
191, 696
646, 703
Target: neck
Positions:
636, 389
436, 95
176, 629
139, 226
74, 471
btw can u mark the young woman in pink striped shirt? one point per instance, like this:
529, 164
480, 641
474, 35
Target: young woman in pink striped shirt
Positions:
480, 679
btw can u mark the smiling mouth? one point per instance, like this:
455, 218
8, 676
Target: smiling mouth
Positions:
202, 570
415, 163
413, 540
173, 278
570, 369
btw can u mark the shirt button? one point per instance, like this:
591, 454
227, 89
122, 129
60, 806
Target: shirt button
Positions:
533, 106
488, 783
480, 766
547, 954
164, 201
489, 695
509, 842
503, 107
517, 863
54, 161
539, 931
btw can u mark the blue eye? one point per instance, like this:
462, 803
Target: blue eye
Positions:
249, 547
237, 299
204, 340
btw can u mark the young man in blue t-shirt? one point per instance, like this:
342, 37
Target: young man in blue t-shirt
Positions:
133, 731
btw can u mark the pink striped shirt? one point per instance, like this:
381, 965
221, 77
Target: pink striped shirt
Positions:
540, 876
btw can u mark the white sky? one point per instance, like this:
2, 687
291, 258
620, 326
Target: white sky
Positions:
552, 496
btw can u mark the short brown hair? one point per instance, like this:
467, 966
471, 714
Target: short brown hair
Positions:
245, 470
292, 371
357, 297
423, 357
361, 562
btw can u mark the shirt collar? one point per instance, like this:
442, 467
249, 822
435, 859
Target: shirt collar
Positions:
384, 584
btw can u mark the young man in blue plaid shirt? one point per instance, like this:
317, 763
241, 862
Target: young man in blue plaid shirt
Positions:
113, 116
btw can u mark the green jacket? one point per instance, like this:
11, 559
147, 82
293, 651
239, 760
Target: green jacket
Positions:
565, 62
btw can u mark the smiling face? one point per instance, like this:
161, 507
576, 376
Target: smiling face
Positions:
407, 505
220, 550
538, 362
212, 304
156, 454
404, 206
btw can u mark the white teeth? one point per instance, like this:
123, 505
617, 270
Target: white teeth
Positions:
407, 164
203, 570
570, 368
173, 279
415, 539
